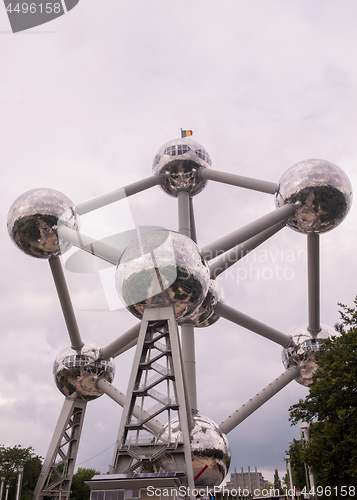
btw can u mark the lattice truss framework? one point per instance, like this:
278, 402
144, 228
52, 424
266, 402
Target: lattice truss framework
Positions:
166, 281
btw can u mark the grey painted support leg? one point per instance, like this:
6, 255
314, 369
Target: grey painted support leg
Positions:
238, 180
119, 397
229, 258
245, 233
313, 273
192, 222
258, 400
66, 303
117, 194
252, 324
57, 471
88, 244
122, 343
189, 362
184, 213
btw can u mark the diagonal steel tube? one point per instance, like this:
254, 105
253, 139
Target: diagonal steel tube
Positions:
238, 180
252, 324
258, 400
88, 244
313, 275
122, 343
224, 244
119, 397
229, 258
66, 303
118, 194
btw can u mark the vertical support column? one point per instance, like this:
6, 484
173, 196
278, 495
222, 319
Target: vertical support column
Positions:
184, 213
129, 455
189, 362
20, 472
313, 274
304, 433
2, 487
288, 467
192, 222
58, 468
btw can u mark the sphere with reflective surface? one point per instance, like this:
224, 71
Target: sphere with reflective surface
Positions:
205, 315
181, 159
159, 269
323, 190
75, 371
34, 218
209, 446
301, 351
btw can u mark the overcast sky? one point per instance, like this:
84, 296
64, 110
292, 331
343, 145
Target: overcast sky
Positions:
86, 102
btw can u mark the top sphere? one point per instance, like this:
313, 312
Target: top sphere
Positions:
181, 159
159, 269
302, 349
34, 218
323, 190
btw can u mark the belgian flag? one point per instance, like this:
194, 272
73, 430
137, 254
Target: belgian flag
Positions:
186, 133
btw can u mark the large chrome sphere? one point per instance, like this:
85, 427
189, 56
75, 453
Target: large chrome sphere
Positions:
75, 371
159, 269
302, 349
181, 159
209, 446
205, 315
34, 218
323, 190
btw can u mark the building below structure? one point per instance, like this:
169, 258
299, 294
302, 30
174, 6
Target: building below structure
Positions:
248, 481
136, 486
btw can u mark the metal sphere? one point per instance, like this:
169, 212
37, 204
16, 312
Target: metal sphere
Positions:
181, 159
302, 349
159, 269
75, 371
34, 218
205, 315
209, 446
323, 190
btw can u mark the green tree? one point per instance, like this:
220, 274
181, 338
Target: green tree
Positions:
297, 457
79, 490
331, 408
11, 458
277, 482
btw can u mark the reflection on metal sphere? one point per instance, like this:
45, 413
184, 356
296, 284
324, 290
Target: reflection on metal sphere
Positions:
205, 315
33, 220
209, 446
301, 351
159, 269
181, 159
323, 190
75, 371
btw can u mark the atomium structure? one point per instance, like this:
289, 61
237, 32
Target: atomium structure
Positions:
169, 283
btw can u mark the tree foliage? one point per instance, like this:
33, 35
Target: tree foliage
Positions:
331, 408
79, 490
11, 458
297, 457
277, 482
